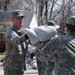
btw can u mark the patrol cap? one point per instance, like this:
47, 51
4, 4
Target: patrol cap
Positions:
71, 21
51, 23
17, 13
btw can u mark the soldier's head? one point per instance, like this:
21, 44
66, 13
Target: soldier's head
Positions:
18, 18
70, 25
51, 23
17, 13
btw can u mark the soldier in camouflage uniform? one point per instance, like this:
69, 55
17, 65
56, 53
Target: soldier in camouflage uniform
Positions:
46, 67
63, 48
16, 46
41, 64
50, 62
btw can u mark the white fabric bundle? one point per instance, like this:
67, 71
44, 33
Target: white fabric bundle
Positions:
41, 33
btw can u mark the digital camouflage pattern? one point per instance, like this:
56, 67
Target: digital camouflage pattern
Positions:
45, 68
63, 48
50, 63
49, 66
17, 13
15, 47
41, 64
41, 67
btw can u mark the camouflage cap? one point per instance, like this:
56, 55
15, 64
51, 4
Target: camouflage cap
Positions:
71, 21
51, 23
17, 13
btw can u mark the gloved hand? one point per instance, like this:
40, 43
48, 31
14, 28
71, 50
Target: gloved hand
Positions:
26, 36
20, 33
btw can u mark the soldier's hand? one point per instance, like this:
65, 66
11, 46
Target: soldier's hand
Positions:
20, 33
26, 36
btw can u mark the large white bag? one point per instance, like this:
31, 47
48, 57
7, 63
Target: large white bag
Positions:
41, 33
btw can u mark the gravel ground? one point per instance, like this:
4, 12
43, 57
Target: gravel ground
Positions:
27, 72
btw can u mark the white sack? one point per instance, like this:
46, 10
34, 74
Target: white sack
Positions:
41, 33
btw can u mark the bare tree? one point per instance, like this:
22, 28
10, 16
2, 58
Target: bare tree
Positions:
6, 2
73, 1
57, 10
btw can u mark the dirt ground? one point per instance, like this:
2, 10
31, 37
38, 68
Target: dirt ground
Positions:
27, 72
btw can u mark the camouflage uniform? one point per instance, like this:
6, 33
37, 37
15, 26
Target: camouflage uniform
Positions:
63, 48
15, 45
50, 63
45, 67
41, 67
42, 64
49, 66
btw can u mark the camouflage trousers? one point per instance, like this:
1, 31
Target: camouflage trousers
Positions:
41, 67
49, 68
45, 68
13, 72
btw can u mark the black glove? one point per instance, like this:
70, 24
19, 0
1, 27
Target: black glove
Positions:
26, 36
20, 33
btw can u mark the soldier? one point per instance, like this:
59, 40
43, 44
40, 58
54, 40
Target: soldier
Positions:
63, 48
50, 62
45, 68
16, 46
41, 64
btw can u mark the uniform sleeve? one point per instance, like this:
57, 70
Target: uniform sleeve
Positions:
48, 50
14, 38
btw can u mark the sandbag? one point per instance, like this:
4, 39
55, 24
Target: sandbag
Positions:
40, 33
